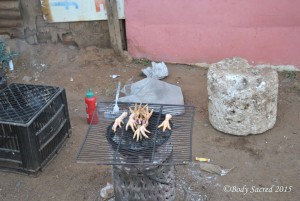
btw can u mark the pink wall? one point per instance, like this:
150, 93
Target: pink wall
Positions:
263, 31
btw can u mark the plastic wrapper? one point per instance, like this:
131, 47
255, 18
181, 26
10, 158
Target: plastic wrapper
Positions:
150, 90
157, 71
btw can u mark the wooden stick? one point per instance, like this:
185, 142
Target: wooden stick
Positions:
114, 26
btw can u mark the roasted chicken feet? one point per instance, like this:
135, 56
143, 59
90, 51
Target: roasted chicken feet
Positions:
140, 132
119, 121
131, 122
166, 123
138, 121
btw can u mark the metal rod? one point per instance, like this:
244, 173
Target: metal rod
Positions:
191, 135
155, 135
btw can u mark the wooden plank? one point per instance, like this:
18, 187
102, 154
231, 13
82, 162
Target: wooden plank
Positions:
123, 34
30, 9
10, 14
9, 5
114, 26
6, 23
14, 32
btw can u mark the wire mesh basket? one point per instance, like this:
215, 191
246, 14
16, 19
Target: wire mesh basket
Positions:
3, 82
34, 123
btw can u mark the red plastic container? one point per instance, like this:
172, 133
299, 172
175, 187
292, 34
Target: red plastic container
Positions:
91, 105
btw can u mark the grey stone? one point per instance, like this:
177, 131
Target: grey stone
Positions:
18, 184
242, 98
72, 47
26, 78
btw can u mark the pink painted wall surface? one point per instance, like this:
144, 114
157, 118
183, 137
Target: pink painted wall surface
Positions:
263, 31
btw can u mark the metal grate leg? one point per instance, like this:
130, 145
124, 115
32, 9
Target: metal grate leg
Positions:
134, 183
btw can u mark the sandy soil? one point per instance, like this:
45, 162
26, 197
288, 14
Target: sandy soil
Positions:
260, 161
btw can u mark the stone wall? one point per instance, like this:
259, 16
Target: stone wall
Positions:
37, 30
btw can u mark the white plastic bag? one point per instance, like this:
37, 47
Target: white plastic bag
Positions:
157, 71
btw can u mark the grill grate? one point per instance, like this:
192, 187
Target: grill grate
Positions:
101, 146
19, 103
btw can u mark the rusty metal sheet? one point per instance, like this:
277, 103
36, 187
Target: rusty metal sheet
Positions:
77, 10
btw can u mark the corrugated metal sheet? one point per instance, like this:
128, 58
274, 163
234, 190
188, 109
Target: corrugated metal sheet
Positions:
77, 10
10, 18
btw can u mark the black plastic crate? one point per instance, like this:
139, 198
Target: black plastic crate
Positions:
3, 81
34, 123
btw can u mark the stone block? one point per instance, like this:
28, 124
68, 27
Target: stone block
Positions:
242, 98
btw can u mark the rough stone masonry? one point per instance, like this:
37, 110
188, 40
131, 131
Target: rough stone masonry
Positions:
242, 98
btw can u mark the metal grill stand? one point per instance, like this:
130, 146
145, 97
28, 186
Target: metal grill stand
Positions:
141, 183
141, 170
147, 183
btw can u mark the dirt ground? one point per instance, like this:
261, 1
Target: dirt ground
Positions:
259, 161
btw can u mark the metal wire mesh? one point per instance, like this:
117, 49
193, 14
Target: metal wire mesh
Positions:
140, 184
19, 103
98, 147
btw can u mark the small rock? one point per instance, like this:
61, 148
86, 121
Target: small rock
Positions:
31, 40
107, 191
26, 78
71, 47
275, 180
126, 56
91, 48
294, 132
18, 184
72, 59
71, 79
